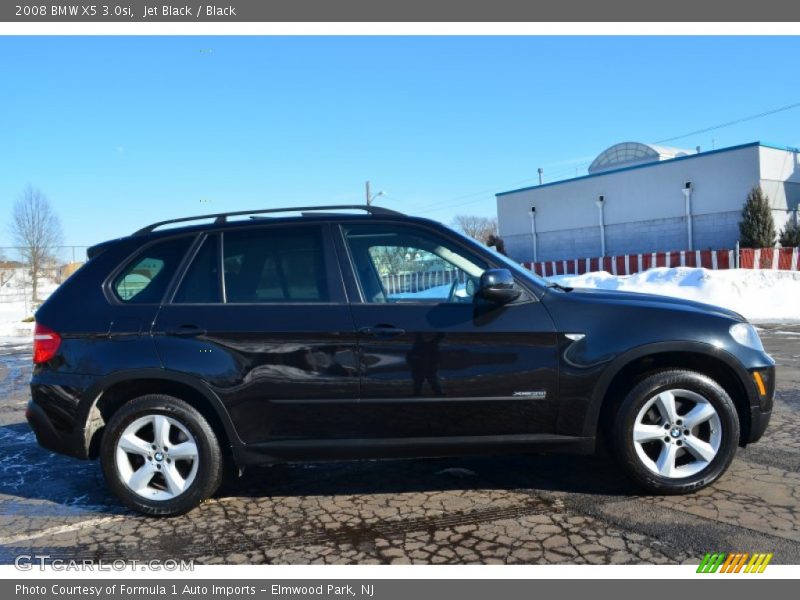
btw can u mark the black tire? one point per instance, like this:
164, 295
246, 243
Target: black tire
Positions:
209, 457
624, 448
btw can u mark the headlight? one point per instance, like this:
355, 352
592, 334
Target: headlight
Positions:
746, 335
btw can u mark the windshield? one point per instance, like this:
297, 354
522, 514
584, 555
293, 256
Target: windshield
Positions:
512, 266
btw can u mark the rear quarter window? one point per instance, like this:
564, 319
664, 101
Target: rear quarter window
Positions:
146, 277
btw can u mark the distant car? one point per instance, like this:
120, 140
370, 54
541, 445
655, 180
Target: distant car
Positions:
176, 353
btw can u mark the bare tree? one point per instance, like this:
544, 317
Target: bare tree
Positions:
5, 273
478, 228
36, 228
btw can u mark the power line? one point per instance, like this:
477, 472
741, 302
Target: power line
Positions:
766, 113
446, 204
443, 204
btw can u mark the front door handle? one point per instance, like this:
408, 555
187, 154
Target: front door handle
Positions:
187, 331
382, 331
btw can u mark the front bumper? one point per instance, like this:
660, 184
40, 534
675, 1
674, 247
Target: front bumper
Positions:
762, 393
759, 420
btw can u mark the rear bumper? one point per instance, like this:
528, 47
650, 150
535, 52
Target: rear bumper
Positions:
46, 433
55, 411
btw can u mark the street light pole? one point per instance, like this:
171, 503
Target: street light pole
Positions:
687, 196
370, 197
600, 202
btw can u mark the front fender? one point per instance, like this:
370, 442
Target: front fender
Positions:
614, 367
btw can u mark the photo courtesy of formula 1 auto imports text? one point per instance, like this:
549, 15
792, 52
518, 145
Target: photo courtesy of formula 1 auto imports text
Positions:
371, 300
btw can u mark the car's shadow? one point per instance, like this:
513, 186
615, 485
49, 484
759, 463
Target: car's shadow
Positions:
35, 482
593, 475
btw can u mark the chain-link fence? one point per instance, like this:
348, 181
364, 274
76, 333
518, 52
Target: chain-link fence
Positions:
16, 277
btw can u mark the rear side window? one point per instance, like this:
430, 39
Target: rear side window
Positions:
270, 265
200, 285
147, 276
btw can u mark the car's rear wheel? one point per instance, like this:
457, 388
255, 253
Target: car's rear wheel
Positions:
676, 432
160, 456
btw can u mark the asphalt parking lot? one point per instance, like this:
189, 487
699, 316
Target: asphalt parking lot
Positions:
521, 509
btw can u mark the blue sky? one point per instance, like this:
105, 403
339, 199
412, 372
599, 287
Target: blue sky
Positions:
122, 131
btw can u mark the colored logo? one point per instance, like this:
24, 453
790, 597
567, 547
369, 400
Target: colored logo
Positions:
734, 562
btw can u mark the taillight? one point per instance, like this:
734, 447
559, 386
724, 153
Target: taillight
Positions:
45, 343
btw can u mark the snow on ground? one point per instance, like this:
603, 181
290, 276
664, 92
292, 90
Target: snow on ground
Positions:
11, 316
15, 302
758, 295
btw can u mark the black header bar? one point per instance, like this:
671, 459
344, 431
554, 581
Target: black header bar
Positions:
231, 11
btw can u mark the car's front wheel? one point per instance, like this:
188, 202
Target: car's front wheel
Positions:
160, 456
676, 432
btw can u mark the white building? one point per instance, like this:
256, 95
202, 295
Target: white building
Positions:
643, 198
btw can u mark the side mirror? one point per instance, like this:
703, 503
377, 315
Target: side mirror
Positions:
497, 285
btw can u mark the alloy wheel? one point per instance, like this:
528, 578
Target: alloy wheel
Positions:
677, 433
157, 457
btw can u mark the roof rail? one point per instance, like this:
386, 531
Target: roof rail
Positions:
223, 217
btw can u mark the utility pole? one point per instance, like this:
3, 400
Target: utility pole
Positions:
369, 198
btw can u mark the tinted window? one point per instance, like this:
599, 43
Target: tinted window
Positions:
400, 264
201, 282
270, 265
147, 276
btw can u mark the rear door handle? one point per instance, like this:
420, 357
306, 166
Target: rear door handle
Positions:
187, 331
382, 331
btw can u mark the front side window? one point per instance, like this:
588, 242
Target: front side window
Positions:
146, 278
396, 264
271, 265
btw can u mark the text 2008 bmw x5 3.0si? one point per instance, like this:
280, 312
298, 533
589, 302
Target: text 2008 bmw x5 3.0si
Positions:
176, 353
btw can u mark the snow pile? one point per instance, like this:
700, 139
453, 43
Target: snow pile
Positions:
758, 295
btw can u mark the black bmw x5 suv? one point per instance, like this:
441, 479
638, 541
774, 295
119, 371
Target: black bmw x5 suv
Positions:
181, 352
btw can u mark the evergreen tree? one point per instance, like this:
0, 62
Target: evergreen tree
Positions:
757, 228
790, 236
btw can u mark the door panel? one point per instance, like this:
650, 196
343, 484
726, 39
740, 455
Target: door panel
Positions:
436, 361
458, 370
283, 372
279, 346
